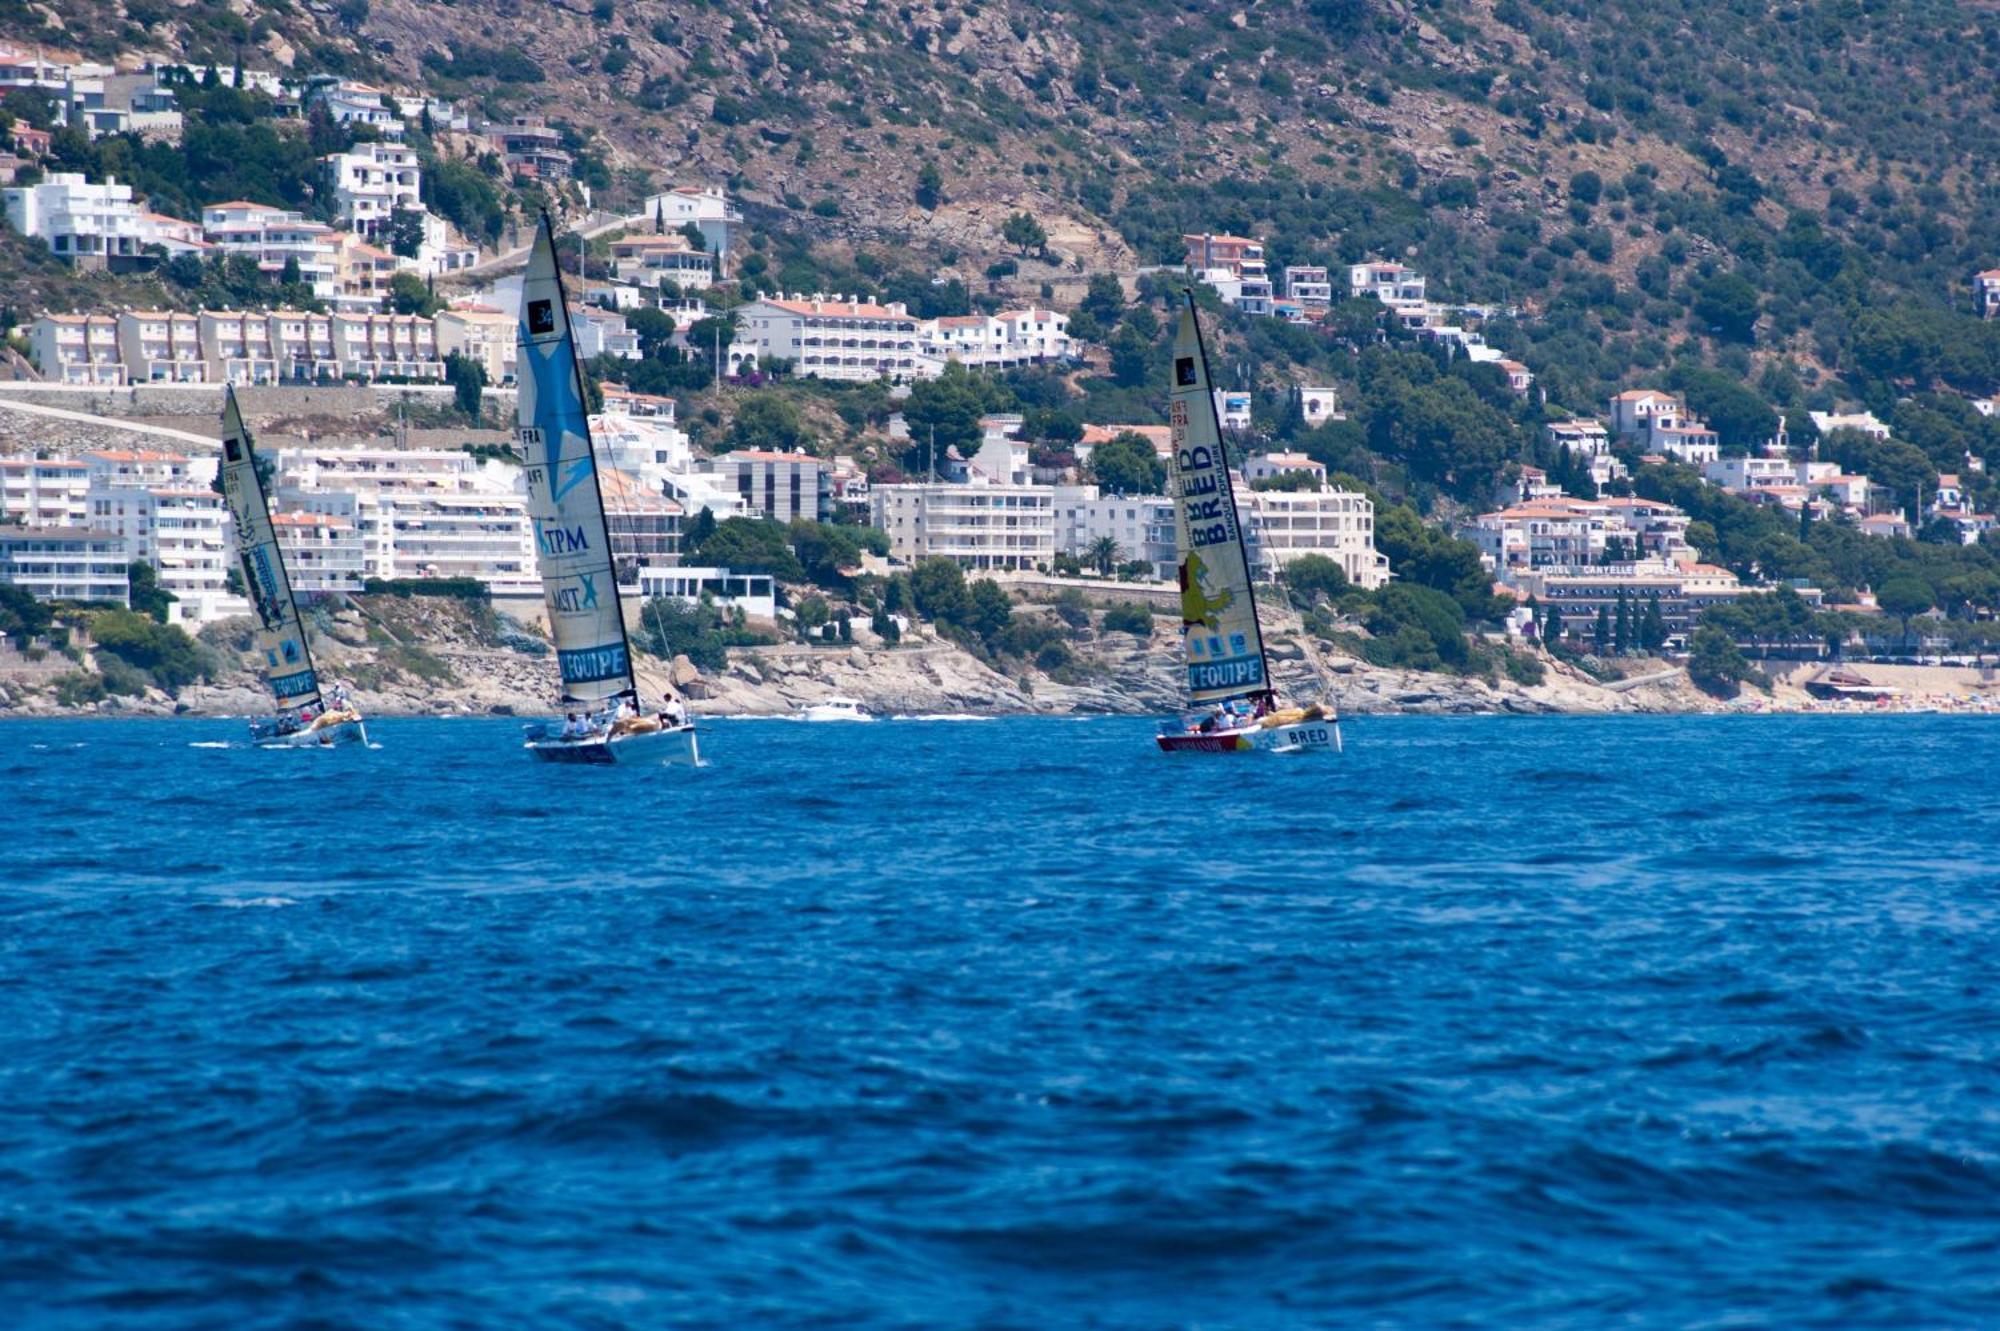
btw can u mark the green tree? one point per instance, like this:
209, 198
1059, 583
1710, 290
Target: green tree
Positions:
467, 378
937, 589
408, 294
405, 233
930, 187
145, 594
769, 421
1104, 553
1129, 617
1729, 304
1600, 632
1309, 578
1127, 465
753, 545
988, 612
698, 530
1905, 597
951, 405
1024, 233
1714, 663
1621, 631
1653, 628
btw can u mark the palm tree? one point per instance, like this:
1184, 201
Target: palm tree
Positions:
1104, 552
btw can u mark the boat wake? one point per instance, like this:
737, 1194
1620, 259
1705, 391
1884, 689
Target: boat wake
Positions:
210, 744
245, 903
940, 716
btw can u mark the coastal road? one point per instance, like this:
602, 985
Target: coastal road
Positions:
206, 442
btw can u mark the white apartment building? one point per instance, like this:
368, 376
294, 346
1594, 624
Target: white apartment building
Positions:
531, 148
1583, 438
1285, 525
1264, 466
323, 553
1568, 533
602, 333
1661, 423
1393, 284
643, 524
93, 226
1862, 422
780, 486
65, 563
420, 513
125, 468
832, 339
708, 207
275, 237
349, 103
1232, 408
1234, 266
34, 66
372, 180
999, 341
76, 348
184, 533
44, 492
644, 260
483, 334
386, 346
1308, 284
981, 525
1141, 525
161, 346
755, 594
1986, 292
1790, 483
238, 346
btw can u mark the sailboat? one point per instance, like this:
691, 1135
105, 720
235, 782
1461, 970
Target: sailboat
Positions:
1234, 703
604, 722
304, 719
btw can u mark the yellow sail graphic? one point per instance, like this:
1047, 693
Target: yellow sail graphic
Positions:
1222, 646
281, 638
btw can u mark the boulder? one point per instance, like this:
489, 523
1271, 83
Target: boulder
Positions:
682, 671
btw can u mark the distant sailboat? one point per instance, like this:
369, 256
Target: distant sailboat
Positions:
1228, 671
600, 692
305, 719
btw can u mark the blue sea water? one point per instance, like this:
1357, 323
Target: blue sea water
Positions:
1489, 1023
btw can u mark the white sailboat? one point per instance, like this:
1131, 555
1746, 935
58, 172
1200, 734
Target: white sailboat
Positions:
304, 719
1235, 704
604, 722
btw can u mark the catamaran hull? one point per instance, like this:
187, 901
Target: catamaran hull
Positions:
1319, 736
655, 747
324, 737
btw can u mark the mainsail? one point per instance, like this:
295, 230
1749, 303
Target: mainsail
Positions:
572, 545
281, 638
1225, 650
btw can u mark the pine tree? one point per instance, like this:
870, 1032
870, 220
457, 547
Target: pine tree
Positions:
1653, 630
1621, 635
1552, 626
1600, 632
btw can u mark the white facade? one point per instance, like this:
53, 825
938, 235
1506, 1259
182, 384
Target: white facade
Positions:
357, 104
999, 341
161, 346
371, 181
183, 532
602, 333
1285, 525
832, 339
1661, 423
1309, 285
92, 224
76, 348
1232, 408
755, 594
386, 346
43, 492
1863, 422
275, 237
708, 207
483, 334
1318, 405
65, 563
1391, 283
780, 486
1142, 526
645, 259
982, 526
323, 553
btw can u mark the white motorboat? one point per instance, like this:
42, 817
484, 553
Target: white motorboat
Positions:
836, 709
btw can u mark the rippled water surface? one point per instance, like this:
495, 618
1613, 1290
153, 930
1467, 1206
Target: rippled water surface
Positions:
1493, 1023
